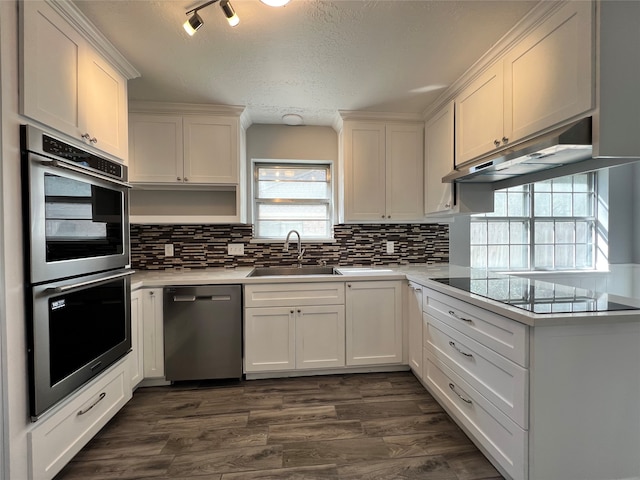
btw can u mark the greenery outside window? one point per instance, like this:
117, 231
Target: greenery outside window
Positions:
292, 196
547, 225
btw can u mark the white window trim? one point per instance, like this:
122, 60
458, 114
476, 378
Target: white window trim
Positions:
280, 161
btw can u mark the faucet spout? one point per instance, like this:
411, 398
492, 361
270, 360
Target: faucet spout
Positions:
300, 249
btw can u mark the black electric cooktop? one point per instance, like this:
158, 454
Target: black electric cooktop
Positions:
534, 295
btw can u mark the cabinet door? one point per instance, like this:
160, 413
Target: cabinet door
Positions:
50, 59
137, 335
269, 339
104, 105
549, 74
374, 323
439, 161
364, 182
415, 328
153, 344
320, 336
210, 149
479, 115
404, 172
155, 151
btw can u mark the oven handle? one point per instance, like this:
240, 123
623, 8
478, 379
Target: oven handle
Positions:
67, 288
73, 168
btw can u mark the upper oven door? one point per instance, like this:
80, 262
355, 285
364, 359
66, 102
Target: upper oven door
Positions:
77, 222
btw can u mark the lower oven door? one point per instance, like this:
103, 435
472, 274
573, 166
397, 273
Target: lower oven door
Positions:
77, 328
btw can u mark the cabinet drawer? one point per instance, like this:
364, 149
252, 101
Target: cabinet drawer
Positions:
500, 380
54, 440
505, 336
499, 436
294, 294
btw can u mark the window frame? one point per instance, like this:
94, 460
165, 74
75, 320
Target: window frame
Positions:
292, 163
531, 221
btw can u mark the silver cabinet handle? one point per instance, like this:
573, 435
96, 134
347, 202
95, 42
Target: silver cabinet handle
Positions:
453, 314
179, 179
505, 140
453, 389
87, 136
496, 142
184, 298
455, 347
186, 179
86, 410
447, 205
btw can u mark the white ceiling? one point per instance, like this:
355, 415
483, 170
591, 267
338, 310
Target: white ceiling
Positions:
311, 57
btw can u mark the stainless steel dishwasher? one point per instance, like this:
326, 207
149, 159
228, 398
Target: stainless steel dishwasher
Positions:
203, 332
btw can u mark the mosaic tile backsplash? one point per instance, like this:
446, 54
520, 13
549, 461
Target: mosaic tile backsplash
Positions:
205, 246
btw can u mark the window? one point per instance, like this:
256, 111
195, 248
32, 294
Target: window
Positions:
546, 225
290, 196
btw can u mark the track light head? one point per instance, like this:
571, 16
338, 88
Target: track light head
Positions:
193, 23
229, 12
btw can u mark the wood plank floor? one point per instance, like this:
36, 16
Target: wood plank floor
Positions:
360, 426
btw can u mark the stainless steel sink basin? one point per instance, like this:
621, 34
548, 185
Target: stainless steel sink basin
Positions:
280, 271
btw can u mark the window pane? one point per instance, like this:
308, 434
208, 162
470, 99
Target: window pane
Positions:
582, 205
517, 204
564, 232
479, 256
582, 183
564, 256
583, 232
518, 232
293, 174
478, 232
291, 212
498, 256
279, 229
563, 184
544, 232
498, 232
544, 186
519, 257
543, 256
293, 190
541, 204
584, 255
562, 204
500, 205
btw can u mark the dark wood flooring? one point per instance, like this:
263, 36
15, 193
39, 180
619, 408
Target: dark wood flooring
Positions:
361, 426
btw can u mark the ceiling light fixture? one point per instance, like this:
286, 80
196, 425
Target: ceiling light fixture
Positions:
292, 119
275, 3
194, 22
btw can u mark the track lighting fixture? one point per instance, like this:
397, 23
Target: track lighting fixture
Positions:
194, 22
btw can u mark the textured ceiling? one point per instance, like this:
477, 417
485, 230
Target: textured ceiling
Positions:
311, 57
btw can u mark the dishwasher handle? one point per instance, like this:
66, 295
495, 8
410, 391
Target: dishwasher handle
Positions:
193, 298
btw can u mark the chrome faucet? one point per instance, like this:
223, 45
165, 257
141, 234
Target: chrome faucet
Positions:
300, 249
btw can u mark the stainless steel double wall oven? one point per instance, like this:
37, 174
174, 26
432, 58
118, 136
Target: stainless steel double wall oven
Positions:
77, 264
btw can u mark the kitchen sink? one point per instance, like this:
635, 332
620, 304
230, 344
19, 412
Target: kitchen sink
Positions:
280, 271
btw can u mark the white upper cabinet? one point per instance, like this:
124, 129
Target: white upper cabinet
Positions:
175, 148
549, 75
546, 79
383, 165
479, 116
67, 84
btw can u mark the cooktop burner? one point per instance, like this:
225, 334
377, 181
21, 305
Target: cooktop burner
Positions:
534, 295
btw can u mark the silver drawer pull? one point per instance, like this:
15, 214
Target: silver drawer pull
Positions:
455, 347
220, 298
453, 389
453, 314
100, 398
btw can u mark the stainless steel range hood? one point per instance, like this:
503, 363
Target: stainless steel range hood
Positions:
566, 145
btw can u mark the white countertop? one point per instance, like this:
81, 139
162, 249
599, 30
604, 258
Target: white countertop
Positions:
421, 274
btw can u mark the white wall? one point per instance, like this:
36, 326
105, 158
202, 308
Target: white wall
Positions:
285, 142
14, 367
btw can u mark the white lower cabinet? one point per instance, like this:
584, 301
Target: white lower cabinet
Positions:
305, 330
153, 334
57, 437
374, 322
136, 362
414, 315
475, 363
